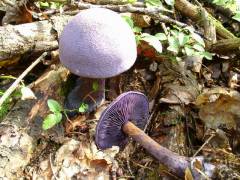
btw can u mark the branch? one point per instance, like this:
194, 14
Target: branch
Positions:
37, 37
194, 13
226, 46
20, 78
154, 12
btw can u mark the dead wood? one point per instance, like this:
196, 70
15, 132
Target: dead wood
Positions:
195, 13
226, 46
37, 37
21, 129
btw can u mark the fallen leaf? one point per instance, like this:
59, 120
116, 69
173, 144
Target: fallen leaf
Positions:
219, 107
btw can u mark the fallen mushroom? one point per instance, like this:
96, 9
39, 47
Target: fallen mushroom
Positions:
126, 116
96, 44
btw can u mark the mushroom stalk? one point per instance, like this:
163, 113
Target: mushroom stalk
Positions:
88, 91
173, 161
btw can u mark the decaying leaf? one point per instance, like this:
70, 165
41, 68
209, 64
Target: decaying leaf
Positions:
188, 174
80, 160
180, 85
139, 20
219, 107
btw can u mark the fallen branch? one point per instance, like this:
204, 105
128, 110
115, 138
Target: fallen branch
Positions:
20, 78
37, 37
125, 8
154, 12
226, 46
194, 13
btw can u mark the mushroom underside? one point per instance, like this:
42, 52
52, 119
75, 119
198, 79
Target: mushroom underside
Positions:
130, 106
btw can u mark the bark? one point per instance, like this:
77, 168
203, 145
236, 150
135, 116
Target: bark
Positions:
226, 46
194, 13
21, 129
37, 37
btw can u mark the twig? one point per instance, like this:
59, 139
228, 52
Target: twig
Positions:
154, 12
204, 144
203, 174
142, 166
125, 8
129, 167
51, 166
19, 79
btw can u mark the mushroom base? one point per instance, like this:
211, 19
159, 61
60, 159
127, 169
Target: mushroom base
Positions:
86, 91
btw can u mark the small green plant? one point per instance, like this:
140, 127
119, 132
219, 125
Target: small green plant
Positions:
150, 39
57, 111
83, 107
55, 117
180, 41
58, 4
223, 2
233, 5
150, 3
186, 42
95, 86
237, 16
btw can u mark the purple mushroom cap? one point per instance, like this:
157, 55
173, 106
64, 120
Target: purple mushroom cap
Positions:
97, 43
130, 106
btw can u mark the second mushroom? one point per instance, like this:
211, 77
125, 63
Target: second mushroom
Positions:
125, 117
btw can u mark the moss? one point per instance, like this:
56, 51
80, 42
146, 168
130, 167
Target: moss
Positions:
4, 109
6, 106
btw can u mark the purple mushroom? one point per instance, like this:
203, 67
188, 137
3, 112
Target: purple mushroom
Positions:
96, 44
126, 116
128, 107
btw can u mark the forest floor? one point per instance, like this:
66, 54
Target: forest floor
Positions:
188, 66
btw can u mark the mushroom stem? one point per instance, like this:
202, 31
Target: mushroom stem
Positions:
88, 91
173, 161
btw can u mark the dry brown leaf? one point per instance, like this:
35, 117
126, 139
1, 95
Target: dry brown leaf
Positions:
219, 107
139, 20
188, 174
80, 160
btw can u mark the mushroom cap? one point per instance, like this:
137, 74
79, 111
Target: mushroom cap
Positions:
130, 106
97, 43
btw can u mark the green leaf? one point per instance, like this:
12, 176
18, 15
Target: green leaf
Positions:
54, 106
175, 33
236, 17
83, 108
51, 120
173, 44
189, 51
137, 29
198, 38
138, 39
220, 2
129, 21
153, 41
131, 1
198, 47
95, 86
207, 55
161, 36
44, 4
170, 2
150, 3
182, 38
